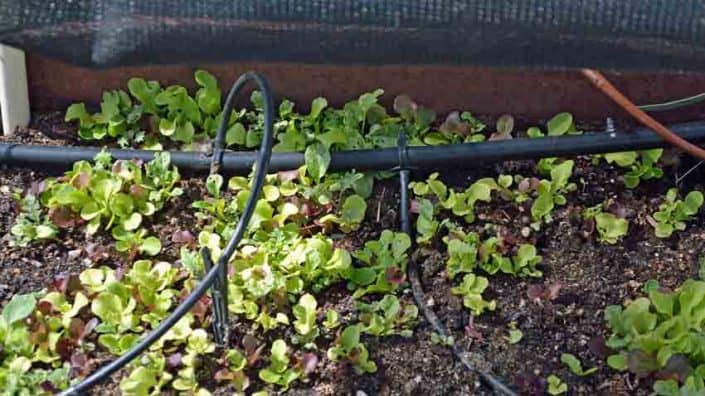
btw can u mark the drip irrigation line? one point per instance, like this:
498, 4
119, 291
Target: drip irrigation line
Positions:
599, 81
673, 104
417, 289
59, 158
262, 162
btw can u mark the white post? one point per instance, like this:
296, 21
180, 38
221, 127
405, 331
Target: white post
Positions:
14, 96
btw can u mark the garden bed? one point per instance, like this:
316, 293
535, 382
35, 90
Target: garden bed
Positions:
560, 312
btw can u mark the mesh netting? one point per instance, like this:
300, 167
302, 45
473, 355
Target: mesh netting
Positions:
636, 34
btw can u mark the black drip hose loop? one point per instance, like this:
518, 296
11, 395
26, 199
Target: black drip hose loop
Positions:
216, 271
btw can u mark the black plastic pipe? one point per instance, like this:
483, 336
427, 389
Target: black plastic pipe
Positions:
425, 157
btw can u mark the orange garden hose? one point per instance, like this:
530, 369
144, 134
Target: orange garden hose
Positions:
598, 80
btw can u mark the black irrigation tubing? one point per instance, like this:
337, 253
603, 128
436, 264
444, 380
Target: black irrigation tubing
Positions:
262, 161
423, 157
673, 104
417, 289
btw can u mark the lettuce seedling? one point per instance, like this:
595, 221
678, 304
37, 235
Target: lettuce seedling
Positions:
551, 193
305, 314
387, 317
198, 343
459, 203
278, 371
673, 212
351, 215
31, 224
462, 252
515, 335
575, 366
117, 119
385, 261
559, 125
471, 290
181, 116
118, 197
466, 252
556, 386
332, 319
317, 159
134, 242
610, 228
661, 335
524, 262
426, 226
642, 165
208, 95
348, 346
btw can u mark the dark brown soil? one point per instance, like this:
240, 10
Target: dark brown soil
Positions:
591, 276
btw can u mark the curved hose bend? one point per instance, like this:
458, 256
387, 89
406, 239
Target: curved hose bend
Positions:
261, 165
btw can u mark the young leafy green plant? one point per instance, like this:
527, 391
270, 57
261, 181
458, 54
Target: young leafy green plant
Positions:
673, 212
385, 264
661, 335
471, 290
348, 346
31, 224
439, 339
118, 119
515, 335
559, 125
388, 317
136, 242
426, 225
332, 319
466, 252
551, 193
351, 216
642, 165
459, 203
556, 386
119, 196
610, 228
575, 366
305, 314
278, 371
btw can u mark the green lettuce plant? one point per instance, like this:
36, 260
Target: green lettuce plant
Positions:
348, 346
661, 335
278, 371
466, 252
559, 125
471, 290
118, 196
118, 119
556, 386
31, 224
610, 228
552, 193
642, 165
384, 264
388, 317
673, 212
305, 314
332, 319
461, 204
575, 366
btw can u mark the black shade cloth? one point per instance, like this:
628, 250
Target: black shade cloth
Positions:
619, 34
